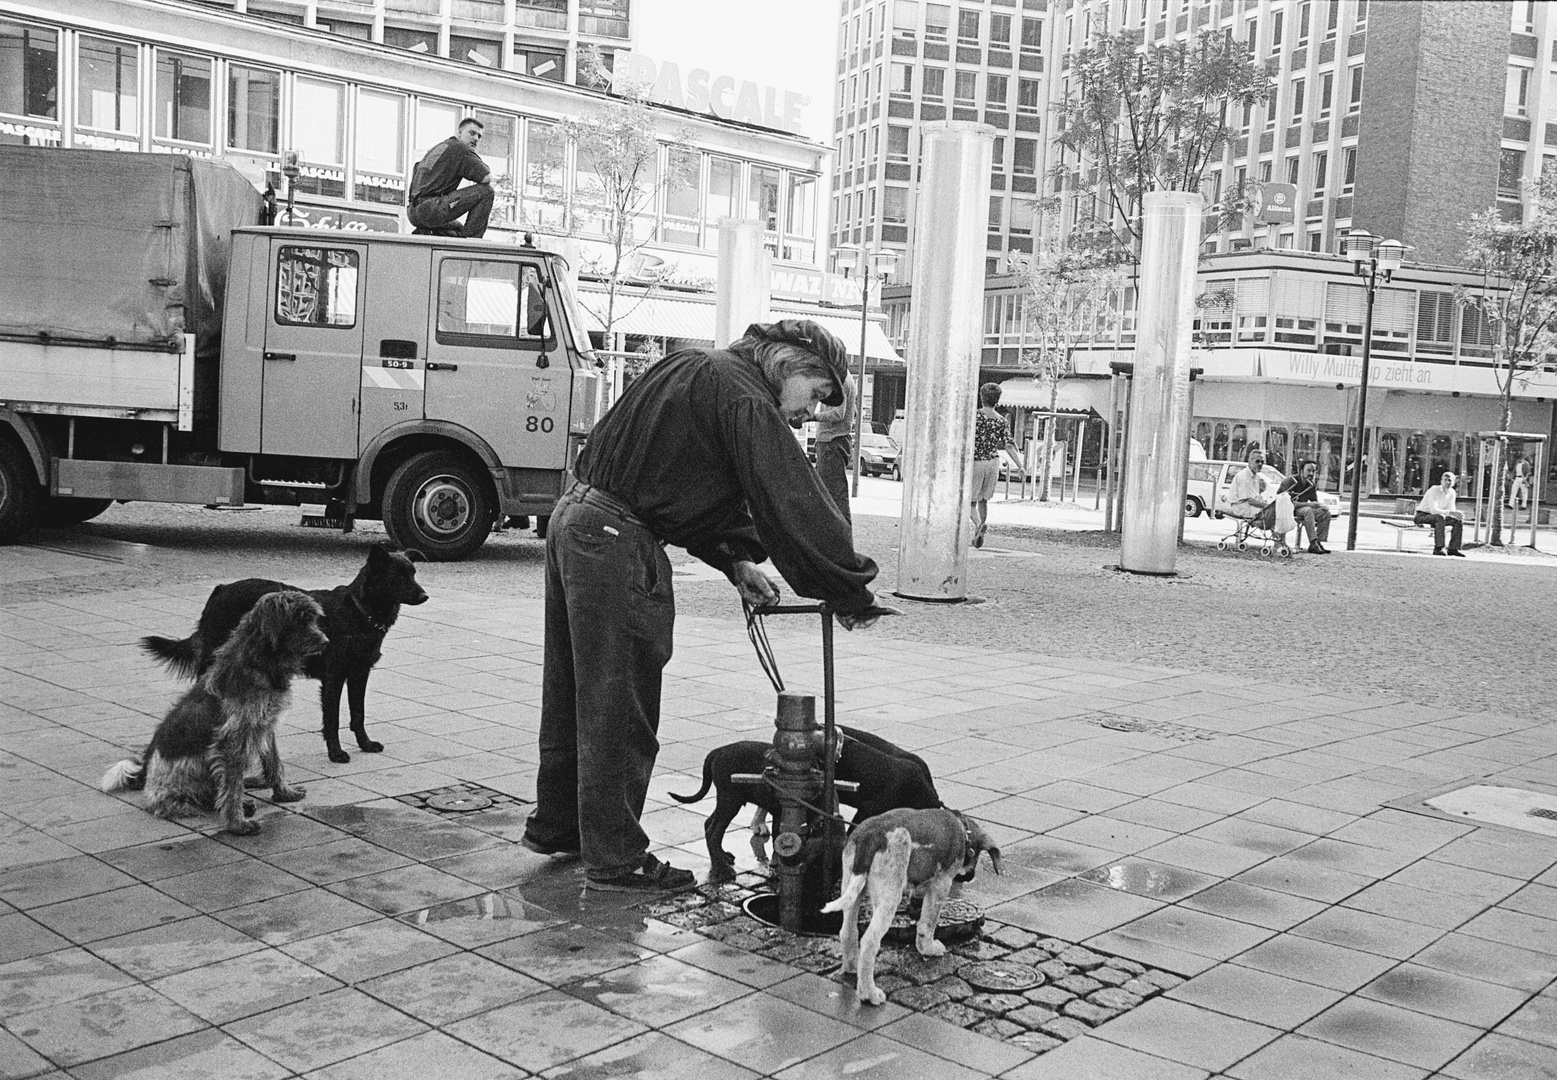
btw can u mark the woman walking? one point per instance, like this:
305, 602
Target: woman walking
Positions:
990, 436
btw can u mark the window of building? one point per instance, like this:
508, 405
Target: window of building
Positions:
1270, 109
1248, 113
354, 30
1354, 99
183, 98
545, 150
1276, 19
499, 147
380, 147
548, 64
1321, 171
897, 143
967, 26
1304, 13
1348, 169
107, 96
894, 205
1333, 18
965, 88
723, 201
934, 83
999, 29
1298, 86
29, 71
996, 87
417, 41
762, 197
483, 52
1265, 167
1028, 95
489, 303
902, 80
800, 217
937, 21
1024, 157
316, 286
1032, 35
998, 155
905, 18
1435, 322
1362, 14
1524, 16
319, 120
1293, 163
1326, 93
253, 109
682, 211
1516, 95
1024, 217
1511, 170
997, 212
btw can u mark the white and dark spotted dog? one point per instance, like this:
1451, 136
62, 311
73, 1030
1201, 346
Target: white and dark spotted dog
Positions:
199, 753
923, 851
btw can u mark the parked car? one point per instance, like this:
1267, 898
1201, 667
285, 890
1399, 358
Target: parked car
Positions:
1210, 482
878, 454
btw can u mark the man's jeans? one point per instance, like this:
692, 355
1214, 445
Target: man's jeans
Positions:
1438, 521
1314, 518
832, 467
437, 214
610, 616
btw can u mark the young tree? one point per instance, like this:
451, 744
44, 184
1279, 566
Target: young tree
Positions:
618, 183
1518, 299
1066, 291
1149, 118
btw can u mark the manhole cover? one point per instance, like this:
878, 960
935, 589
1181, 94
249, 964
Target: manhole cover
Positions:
462, 803
456, 800
957, 919
997, 977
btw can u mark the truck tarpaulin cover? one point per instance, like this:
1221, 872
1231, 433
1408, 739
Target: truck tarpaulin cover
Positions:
99, 244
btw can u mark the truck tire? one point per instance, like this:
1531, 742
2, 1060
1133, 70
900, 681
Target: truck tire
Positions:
59, 512
20, 494
440, 504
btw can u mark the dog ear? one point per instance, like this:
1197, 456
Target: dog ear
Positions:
994, 858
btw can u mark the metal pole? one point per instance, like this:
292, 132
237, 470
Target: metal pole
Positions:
1362, 407
1535, 490
859, 397
829, 755
1481, 446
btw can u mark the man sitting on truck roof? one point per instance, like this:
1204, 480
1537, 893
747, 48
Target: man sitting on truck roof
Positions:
437, 201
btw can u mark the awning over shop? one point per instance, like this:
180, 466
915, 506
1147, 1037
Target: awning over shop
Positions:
1075, 396
692, 319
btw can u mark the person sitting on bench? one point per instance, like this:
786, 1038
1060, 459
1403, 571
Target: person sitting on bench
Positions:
1310, 513
436, 200
1252, 496
1437, 509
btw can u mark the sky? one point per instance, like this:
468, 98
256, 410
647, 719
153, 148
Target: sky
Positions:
786, 44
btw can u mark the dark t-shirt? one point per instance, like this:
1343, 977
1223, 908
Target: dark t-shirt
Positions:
698, 448
440, 172
1303, 490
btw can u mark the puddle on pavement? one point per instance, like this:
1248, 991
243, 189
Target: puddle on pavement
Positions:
1145, 879
491, 916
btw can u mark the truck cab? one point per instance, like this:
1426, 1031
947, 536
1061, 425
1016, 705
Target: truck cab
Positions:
436, 383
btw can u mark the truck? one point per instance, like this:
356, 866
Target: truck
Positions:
158, 342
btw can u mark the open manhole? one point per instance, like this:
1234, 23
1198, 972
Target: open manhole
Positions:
1491, 804
460, 800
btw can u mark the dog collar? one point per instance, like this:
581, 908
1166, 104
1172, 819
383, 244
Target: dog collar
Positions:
381, 627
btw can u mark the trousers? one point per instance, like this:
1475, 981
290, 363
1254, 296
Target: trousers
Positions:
435, 215
609, 624
832, 468
1315, 518
1438, 521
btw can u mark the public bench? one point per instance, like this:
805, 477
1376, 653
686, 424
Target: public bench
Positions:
1401, 527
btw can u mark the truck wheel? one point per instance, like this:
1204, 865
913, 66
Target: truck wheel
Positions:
59, 512
19, 493
440, 504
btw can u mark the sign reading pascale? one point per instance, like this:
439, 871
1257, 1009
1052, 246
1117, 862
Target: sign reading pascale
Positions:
1278, 203
722, 95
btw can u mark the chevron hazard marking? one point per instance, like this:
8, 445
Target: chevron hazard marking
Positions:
392, 378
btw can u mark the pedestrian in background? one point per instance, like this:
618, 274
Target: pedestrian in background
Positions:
835, 448
435, 197
990, 436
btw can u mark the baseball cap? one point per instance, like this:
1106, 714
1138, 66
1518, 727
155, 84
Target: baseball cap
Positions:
814, 339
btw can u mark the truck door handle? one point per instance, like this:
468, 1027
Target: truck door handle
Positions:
433, 365
280, 355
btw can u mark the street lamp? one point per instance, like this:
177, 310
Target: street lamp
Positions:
291, 169
1375, 260
867, 266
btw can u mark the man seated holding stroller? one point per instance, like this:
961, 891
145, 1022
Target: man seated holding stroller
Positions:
1311, 513
1253, 493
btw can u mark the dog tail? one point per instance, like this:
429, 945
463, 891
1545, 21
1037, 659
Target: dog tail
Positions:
850, 895
126, 775
708, 782
181, 657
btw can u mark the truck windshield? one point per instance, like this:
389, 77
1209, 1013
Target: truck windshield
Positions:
572, 313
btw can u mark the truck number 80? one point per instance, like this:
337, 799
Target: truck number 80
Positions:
538, 423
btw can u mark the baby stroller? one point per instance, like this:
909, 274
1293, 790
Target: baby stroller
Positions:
1270, 539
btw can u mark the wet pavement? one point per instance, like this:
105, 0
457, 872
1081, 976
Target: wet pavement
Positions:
1258, 856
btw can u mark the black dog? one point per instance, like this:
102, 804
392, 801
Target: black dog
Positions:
356, 618
889, 778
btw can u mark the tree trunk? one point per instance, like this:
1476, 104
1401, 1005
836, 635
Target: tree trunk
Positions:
1500, 481
1048, 439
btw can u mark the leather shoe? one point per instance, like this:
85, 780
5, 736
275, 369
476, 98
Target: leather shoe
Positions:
1315, 549
1438, 551
1458, 554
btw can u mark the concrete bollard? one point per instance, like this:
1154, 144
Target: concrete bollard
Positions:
946, 327
1157, 452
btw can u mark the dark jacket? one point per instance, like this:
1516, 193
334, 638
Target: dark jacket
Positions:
440, 172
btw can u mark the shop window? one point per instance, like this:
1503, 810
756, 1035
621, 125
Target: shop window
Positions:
29, 71
1219, 443
316, 287
253, 109
1238, 447
183, 98
489, 303
107, 94
380, 148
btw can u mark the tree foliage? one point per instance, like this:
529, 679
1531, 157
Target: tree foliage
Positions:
1517, 298
1150, 118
